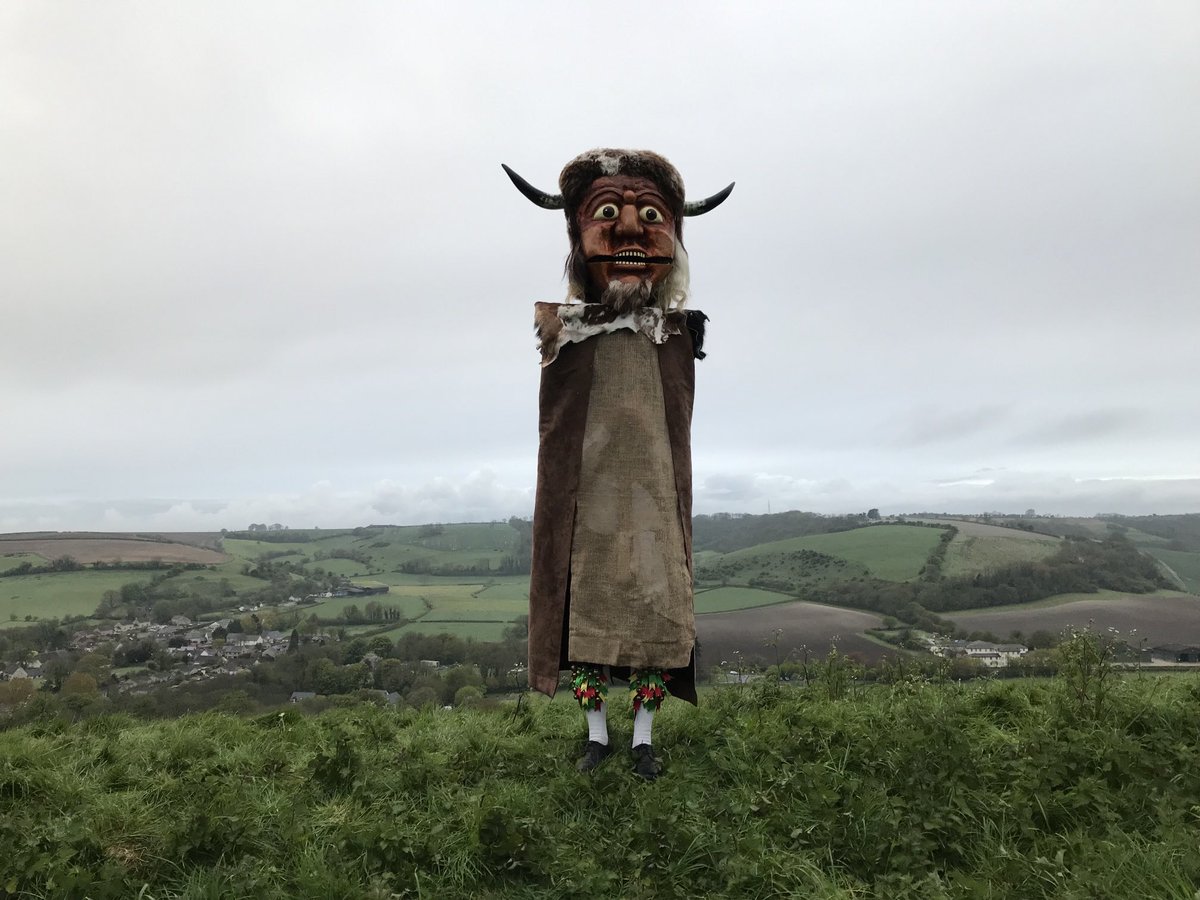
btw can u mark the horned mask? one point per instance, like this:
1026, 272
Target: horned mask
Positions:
625, 211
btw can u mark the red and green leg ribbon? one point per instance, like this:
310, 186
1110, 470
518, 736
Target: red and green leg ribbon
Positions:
647, 688
590, 686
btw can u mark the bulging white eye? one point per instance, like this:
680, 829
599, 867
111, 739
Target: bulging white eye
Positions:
650, 214
607, 211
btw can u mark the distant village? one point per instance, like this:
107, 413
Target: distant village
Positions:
197, 650
185, 651
200, 651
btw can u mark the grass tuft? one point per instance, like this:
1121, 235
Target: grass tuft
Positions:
1002, 790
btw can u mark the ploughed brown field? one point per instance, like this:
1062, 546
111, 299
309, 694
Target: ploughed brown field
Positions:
1162, 618
803, 624
109, 549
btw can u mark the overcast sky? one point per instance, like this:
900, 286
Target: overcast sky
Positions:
259, 262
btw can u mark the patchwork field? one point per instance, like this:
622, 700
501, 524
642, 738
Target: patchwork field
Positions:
731, 613
1162, 617
388, 548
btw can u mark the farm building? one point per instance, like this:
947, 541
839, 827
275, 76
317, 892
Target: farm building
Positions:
1175, 653
994, 656
16, 672
363, 590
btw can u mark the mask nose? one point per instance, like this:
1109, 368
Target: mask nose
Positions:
628, 223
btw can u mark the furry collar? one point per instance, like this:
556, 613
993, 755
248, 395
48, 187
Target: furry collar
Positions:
558, 324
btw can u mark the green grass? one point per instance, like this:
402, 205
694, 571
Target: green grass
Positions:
345, 567
968, 554
1005, 791
470, 613
251, 550
10, 561
390, 547
724, 599
449, 598
479, 631
1185, 565
61, 593
410, 607
515, 590
890, 552
210, 581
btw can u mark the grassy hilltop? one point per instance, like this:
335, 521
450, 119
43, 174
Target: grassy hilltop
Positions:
1067, 788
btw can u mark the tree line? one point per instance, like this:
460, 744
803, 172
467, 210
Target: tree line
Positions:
1078, 567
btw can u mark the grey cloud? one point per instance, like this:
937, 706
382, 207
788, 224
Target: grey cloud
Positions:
931, 425
230, 268
1075, 428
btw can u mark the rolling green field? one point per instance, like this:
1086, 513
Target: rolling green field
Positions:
61, 593
1185, 565
890, 552
462, 608
410, 606
483, 605
10, 561
514, 588
725, 599
390, 547
479, 631
347, 568
969, 553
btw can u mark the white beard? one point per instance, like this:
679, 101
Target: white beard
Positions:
625, 298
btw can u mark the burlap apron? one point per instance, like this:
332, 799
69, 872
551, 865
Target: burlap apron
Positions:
631, 590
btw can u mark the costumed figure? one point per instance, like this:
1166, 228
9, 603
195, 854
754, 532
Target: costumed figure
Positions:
610, 593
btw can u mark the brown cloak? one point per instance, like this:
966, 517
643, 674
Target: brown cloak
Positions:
563, 411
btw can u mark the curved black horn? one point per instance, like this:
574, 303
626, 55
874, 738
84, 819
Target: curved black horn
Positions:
700, 207
541, 198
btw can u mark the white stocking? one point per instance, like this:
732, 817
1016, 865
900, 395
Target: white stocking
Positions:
643, 720
597, 720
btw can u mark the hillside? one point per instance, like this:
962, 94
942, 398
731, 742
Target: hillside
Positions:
979, 547
1012, 791
1164, 617
470, 579
88, 548
1173, 540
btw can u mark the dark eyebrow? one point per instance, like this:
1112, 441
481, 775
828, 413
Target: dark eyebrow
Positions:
613, 195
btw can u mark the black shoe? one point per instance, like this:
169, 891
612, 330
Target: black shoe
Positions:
594, 753
644, 763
